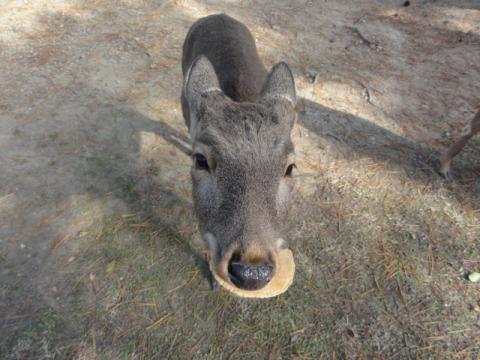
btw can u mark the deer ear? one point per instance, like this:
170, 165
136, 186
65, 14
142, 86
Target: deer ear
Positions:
199, 81
280, 84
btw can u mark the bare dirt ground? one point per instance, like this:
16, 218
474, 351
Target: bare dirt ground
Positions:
98, 257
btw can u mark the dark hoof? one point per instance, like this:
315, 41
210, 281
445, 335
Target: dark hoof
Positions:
446, 175
215, 285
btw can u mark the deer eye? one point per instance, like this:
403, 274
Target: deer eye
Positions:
201, 162
288, 172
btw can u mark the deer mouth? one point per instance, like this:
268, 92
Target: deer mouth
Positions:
252, 271
280, 281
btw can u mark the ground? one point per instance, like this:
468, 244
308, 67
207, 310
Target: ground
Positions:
99, 257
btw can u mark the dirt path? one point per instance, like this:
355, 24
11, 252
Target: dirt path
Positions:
96, 250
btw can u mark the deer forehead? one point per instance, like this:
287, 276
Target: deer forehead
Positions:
248, 137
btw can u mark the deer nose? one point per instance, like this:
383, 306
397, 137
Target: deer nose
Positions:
248, 276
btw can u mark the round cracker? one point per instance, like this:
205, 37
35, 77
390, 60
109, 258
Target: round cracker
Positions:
281, 281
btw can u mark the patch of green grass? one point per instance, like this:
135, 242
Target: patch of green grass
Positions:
36, 339
99, 161
129, 348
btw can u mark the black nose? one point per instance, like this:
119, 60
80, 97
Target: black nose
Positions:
248, 276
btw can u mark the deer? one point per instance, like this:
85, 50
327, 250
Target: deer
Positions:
453, 150
239, 117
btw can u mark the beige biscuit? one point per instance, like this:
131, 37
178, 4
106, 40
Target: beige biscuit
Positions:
281, 281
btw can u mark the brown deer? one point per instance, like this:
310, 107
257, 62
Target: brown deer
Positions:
239, 117
446, 158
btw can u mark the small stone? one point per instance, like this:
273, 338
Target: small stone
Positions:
22, 246
311, 76
474, 276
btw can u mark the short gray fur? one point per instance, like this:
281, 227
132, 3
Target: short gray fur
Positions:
240, 118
